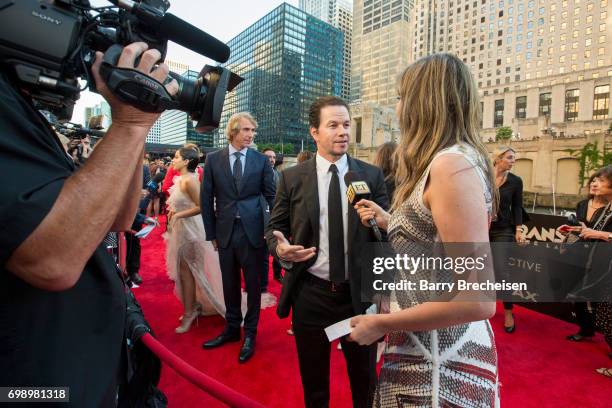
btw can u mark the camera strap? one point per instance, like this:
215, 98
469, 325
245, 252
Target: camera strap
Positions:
134, 87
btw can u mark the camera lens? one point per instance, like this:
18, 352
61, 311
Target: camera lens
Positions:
203, 97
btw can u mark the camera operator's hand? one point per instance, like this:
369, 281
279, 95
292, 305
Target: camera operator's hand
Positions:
123, 113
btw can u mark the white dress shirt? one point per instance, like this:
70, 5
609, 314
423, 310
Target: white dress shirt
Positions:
232, 158
321, 267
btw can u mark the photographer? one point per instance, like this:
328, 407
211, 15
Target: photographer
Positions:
63, 304
79, 149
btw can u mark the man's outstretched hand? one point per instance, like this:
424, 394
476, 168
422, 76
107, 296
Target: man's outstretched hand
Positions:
292, 253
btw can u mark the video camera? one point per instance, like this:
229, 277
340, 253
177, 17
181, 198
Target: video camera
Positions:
49, 44
76, 131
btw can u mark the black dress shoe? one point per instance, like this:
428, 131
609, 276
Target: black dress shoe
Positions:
135, 277
578, 337
225, 337
510, 329
247, 350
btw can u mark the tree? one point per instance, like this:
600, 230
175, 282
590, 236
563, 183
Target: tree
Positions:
590, 159
503, 133
286, 148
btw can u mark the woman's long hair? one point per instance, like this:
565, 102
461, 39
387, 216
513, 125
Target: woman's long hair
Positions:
439, 107
385, 159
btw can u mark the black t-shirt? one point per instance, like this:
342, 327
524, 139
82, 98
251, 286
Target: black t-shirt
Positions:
69, 338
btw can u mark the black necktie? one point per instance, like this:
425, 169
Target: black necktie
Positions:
237, 169
336, 228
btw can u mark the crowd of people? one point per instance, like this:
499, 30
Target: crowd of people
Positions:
225, 219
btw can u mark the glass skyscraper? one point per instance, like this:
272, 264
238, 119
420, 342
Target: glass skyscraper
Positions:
288, 59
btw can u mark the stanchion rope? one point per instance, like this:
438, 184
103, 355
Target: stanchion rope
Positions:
208, 384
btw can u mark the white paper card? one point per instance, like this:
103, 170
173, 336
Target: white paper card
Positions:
373, 309
337, 330
143, 233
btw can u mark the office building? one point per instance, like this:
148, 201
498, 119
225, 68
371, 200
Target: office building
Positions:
287, 59
540, 66
338, 13
103, 108
382, 48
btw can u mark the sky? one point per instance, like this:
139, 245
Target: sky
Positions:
223, 20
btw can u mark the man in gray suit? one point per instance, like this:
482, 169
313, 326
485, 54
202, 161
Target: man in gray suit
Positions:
235, 179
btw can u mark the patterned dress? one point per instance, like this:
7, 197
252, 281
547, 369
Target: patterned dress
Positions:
451, 367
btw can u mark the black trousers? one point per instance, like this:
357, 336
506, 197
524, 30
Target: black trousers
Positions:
132, 256
316, 307
276, 268
585, 318
240, 254
506, 234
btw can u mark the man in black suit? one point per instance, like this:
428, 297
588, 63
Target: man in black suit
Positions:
322, 283
235, 179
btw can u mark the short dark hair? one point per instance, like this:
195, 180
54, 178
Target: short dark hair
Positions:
314, 114
605, 173
191, 155
268, 149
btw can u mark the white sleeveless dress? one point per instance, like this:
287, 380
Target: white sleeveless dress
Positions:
451, 367
186, 242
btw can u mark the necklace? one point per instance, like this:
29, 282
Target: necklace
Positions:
593, 207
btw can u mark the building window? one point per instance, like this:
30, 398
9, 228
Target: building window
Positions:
545, 102
601, 102
521, 107
498, 116
571, 104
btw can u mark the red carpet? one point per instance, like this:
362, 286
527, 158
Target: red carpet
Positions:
538, 367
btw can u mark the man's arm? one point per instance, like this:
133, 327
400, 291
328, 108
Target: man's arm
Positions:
207, 201
53, 256
279, 228
268, 186
83, 208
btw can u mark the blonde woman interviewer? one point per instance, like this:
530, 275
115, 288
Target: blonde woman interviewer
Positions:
436, 351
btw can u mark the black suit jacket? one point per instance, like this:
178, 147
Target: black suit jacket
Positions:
220, 199
296, 215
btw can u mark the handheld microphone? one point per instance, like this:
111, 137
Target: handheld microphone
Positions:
356, 190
